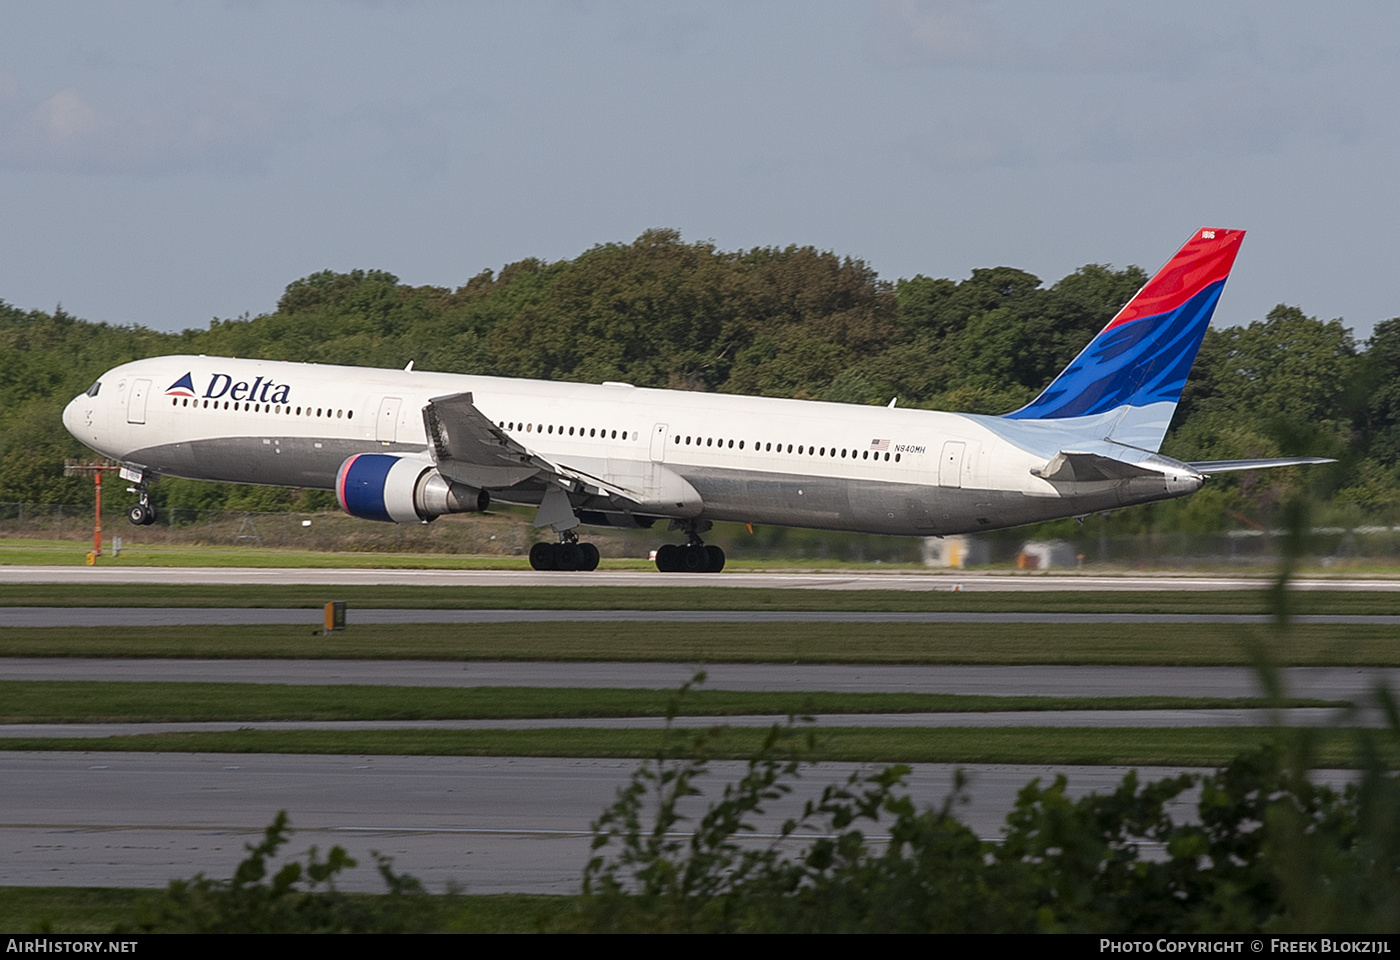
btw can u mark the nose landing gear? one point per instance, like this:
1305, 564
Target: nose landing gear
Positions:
142, 514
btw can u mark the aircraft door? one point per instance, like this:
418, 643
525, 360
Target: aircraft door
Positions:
658, 443
950, 465
386, 428
136, 403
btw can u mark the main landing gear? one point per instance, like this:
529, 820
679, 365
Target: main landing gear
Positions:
567, 554
693, 556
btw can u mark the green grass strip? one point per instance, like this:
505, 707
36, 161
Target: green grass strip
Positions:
97, 910
42, 701
1187, 746
1203, 644
938, 597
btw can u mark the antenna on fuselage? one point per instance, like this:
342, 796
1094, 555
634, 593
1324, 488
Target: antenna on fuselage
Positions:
409, 368
890, 405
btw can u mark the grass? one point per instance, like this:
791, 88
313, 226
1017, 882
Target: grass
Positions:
1202, 644
938, 598
105, 702
69, 553
89, 910
97, 910
1129, 746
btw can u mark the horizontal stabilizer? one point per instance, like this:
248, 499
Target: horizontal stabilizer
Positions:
1068, 467
1228, 466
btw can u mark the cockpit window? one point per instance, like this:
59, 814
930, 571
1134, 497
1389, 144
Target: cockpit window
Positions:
96, 386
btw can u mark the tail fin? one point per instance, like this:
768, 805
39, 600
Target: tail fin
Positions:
1138, 364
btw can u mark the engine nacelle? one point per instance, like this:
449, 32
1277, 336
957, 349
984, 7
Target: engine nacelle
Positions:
380, 486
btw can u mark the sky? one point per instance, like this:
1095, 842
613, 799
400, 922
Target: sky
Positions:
167, 163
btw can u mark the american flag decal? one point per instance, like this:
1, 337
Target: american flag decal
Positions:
879, 445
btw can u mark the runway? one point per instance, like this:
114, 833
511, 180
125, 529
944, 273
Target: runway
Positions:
263, 616
842, 580
521, 825
490, 825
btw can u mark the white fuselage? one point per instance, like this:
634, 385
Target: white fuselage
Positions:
678, 454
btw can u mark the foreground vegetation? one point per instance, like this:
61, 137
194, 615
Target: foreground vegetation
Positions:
1264, 850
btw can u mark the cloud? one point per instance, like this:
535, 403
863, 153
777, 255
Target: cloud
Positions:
1237, 116
945, 33
201, 130
967, 144
986, 35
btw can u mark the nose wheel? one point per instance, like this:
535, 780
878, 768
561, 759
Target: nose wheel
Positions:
142, 514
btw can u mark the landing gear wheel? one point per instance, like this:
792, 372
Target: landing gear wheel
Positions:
542, 556
668, 558
716, 558
566, 556
695, 558
141, 515
590, 557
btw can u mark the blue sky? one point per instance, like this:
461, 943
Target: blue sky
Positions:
164, 163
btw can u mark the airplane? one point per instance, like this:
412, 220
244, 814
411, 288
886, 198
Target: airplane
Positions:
407, 446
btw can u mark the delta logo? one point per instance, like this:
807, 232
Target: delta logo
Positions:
184, 387
221, 385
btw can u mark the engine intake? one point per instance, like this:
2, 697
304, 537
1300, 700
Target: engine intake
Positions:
378, 486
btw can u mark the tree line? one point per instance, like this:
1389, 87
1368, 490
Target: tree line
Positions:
784, 322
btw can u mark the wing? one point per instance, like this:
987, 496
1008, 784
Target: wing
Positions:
471, 449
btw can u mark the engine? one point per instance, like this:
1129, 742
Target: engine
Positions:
379, 486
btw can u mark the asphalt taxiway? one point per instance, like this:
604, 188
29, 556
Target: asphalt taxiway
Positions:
910, 581
489, 825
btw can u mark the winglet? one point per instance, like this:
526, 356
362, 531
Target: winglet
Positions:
1138, 364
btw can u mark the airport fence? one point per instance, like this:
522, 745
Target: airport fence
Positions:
499, 533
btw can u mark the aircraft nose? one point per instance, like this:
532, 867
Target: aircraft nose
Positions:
72, 415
